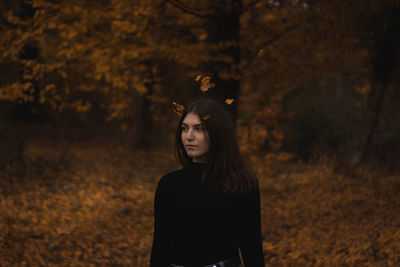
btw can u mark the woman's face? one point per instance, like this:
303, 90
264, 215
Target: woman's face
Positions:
195, 138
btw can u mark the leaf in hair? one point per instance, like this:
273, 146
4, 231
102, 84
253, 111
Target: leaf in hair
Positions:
205, 117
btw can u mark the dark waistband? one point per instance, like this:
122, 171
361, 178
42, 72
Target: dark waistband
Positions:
232, 262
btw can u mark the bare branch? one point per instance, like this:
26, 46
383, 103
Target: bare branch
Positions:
268, 5
186, 9
276, 37
162, 3
247, 7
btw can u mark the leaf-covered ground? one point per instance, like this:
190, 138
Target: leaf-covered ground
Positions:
77, 204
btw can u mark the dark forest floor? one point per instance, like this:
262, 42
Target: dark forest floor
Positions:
85, 204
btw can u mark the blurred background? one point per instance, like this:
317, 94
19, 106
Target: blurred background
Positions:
87, 122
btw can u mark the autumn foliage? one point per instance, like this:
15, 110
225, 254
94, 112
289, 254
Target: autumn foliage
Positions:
86, 204
312, 86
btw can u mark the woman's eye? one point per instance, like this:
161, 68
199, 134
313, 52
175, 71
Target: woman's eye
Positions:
199, 128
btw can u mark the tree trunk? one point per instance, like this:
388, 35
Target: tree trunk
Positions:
371, 119
384, 64
225, 29
145, 131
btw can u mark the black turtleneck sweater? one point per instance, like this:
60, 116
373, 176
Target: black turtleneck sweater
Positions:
194, 226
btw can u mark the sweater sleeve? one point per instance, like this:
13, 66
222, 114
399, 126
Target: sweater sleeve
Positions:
158, 256
251, 240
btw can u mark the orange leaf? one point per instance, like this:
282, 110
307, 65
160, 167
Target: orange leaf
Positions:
68, 227
178, 108
206, 84
229, 101
205, 117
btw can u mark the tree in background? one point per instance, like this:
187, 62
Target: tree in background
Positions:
76, 54
365, 38
346, 45
376, 25
123, 57
225, 38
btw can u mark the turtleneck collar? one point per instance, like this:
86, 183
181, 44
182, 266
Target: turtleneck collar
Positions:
197, 166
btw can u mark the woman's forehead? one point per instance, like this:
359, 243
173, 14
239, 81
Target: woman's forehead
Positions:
192, 118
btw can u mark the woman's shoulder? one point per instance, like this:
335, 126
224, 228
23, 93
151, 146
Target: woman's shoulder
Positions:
171, 178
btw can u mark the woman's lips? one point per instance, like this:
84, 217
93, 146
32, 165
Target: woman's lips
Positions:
191, 146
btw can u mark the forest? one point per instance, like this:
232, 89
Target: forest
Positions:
90, 97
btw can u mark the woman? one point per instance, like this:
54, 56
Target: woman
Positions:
207, 211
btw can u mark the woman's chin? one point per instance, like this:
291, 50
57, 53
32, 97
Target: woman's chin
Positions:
192, 153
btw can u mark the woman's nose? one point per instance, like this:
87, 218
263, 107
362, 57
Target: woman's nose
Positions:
190, 135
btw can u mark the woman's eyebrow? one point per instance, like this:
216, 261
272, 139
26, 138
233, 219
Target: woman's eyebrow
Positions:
184, 124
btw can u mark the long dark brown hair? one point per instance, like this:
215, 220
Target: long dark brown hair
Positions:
224, 168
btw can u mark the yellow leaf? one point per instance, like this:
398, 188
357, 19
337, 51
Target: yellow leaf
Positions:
229, 101
178, 108
205, 117
206, 84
